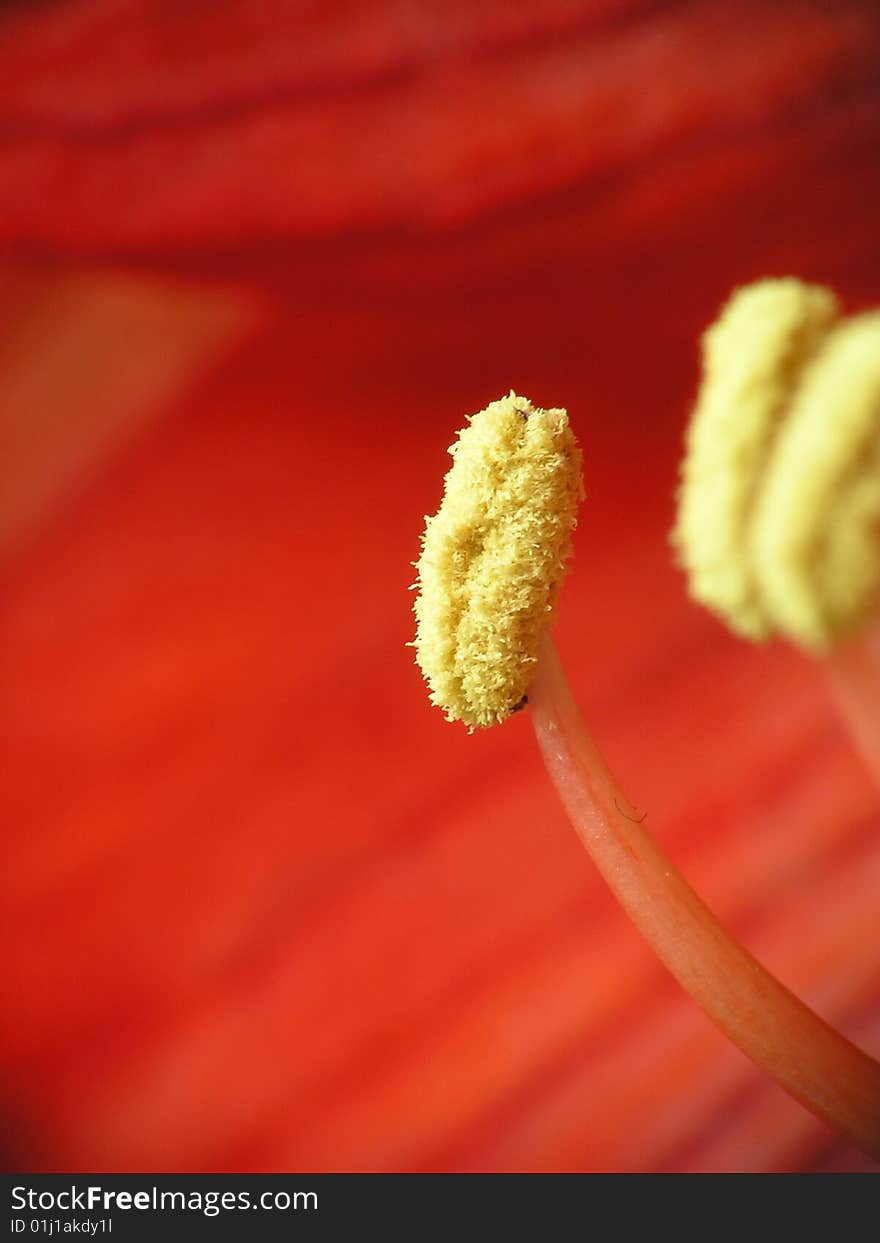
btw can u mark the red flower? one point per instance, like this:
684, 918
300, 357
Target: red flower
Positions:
265, 909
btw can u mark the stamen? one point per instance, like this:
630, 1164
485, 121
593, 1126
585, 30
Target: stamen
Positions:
780, 498
493, 558
490, 570
814, 545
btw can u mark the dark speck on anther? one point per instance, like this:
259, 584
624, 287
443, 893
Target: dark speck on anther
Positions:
518, 707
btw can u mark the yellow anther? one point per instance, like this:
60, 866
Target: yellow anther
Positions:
752, 358
780, 499
493, 558
815, 548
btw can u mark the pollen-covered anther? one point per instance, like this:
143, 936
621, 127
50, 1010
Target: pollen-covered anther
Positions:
493, 558
780, 499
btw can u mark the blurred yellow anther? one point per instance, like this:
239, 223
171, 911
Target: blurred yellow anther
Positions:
780, 498
493, 558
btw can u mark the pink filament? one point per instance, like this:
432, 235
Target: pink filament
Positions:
814, 1063
854, 673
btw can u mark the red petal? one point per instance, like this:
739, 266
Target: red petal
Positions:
143, 124
265, 908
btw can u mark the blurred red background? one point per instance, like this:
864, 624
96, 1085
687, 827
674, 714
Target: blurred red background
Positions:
263, 908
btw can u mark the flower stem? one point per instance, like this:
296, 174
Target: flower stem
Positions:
805, 1055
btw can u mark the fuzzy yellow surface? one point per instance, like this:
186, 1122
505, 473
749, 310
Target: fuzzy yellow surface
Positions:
751, 359
493, 558
816, 550
780, 496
